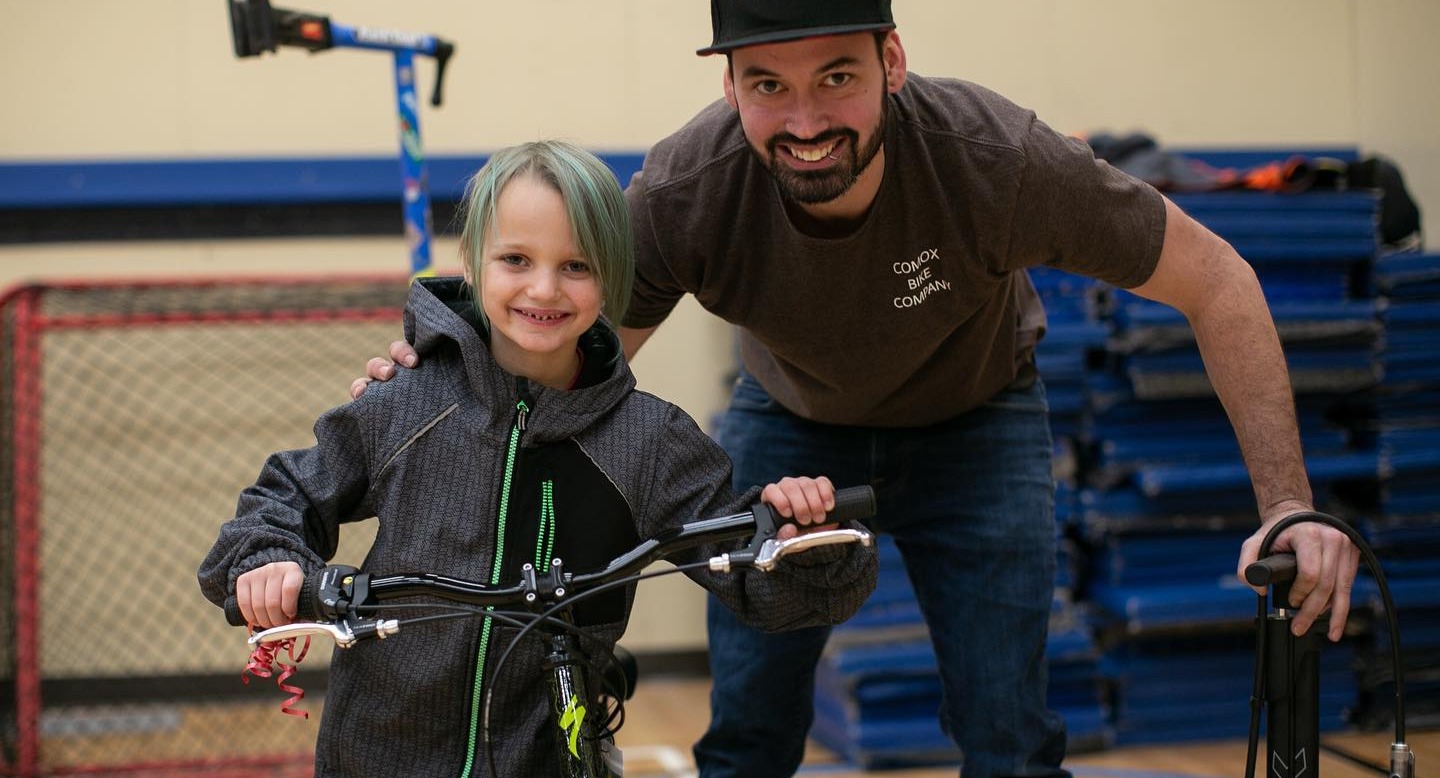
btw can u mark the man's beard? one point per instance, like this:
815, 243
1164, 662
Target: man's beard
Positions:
812, 187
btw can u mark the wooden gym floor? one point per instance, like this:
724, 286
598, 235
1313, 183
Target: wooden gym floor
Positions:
667, 715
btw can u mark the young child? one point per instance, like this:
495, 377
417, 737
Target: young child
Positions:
520, 439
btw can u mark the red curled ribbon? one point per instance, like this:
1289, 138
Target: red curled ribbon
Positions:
263, 661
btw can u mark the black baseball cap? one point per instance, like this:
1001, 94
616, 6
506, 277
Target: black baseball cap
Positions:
739, 23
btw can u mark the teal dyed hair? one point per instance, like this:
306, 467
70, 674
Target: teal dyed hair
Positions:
599, 219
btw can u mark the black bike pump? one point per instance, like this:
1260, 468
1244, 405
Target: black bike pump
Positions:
1287, 666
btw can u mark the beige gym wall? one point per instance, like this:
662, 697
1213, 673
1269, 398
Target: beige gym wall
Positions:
85, 79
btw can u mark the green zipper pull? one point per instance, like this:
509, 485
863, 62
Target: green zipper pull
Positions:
522, 388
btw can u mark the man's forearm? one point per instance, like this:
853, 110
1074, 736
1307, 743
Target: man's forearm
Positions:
1246, 367
1202, 276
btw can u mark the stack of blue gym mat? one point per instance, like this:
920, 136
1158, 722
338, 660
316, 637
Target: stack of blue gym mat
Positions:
1406, 535
1167, 500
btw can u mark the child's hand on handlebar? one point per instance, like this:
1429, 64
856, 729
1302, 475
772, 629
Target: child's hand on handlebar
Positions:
803, 502
269, 596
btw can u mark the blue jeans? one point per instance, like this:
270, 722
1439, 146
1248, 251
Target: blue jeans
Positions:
970, 504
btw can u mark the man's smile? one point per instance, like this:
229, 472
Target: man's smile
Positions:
811, 152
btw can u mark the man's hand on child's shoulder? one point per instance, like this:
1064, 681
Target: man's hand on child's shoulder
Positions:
803, 501
382, 369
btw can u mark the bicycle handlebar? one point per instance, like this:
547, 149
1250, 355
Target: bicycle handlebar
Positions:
339, 594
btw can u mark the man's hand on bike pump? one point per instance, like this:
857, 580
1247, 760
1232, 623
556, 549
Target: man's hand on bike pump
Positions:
381, 369
269, 596
1326, 562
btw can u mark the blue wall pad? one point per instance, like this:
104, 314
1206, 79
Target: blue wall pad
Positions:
272, 180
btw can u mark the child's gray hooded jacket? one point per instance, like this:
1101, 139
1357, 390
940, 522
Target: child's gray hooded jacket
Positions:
427, 453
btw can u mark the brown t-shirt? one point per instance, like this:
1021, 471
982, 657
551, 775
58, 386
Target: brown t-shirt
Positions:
922, 312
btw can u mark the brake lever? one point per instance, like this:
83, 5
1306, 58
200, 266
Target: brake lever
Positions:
771, 551
345, 633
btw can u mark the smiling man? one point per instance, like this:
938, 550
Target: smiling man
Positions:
868, 230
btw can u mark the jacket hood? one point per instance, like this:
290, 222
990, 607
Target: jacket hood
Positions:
440, 313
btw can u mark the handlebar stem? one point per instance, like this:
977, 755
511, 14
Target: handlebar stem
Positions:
547, 588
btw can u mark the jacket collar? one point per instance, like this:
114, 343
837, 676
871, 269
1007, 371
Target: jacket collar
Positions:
440, 311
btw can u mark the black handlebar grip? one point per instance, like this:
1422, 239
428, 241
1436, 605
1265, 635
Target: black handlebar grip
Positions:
306, 608
1271, 570
853, 503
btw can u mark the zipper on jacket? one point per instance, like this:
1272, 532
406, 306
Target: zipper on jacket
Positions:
545, 538
522, 410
